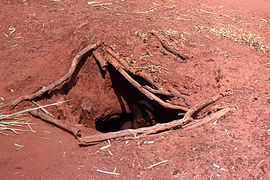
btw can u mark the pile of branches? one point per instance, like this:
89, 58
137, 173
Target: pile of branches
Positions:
98, 50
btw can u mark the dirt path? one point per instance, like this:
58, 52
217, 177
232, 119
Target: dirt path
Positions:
230, 45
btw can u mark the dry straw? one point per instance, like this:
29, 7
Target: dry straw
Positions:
15, 123
240, 36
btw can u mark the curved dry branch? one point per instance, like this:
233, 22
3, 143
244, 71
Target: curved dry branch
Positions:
164, 43
211, 117
201, 105
74, 64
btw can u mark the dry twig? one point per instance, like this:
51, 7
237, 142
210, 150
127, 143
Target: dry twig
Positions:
107, 172
163, 41
7, 124
43, 109
154, 165
45, 117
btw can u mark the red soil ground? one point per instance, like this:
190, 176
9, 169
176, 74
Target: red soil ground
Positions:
229, 41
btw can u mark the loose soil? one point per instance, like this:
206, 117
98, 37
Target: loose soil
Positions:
228, 44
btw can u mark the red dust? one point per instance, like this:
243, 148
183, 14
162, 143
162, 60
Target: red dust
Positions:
229, 42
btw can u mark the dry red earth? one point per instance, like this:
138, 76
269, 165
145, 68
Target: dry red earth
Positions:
229, 41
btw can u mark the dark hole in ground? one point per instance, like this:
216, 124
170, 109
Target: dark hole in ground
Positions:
141, 112
144, 112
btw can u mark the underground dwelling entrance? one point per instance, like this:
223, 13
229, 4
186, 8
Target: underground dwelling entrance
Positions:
130, 108
120, 102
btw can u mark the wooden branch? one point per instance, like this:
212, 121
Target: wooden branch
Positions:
99, 58
150, 95
164, 42
136, 133
45, 117
201, 105
74, 64
42, 109
211, 117
165, 93
119, 67
120, 62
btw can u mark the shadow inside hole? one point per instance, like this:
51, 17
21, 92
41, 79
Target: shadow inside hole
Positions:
133, 97
112, 123
115, 123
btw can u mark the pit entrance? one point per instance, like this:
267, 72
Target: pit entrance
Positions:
121, 105
109, 96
